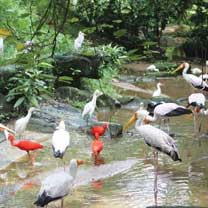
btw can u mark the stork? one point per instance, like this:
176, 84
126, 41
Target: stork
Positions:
58, 185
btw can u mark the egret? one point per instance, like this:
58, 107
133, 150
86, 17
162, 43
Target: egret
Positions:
58, 185
60, 141
89, 108
157, 92
79, 40
21, 124
155, 138
152, 68
98, 131
195, 81
25, 145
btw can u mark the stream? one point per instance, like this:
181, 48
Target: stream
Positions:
181, 184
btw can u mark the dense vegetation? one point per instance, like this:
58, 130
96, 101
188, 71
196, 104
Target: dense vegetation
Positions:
35, 31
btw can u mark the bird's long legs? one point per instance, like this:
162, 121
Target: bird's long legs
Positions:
155, 180
62, 203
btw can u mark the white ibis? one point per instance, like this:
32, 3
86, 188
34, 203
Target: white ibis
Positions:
58, 185
195, 81
89, 108
155, 138
21, 124
157, 92
60, 141
152, 68
79, 40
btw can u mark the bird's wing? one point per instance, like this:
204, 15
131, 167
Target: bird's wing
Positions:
60, 140
165, 108
198, 98
20, 125
57, 185
86, 109
196, 81
156, 137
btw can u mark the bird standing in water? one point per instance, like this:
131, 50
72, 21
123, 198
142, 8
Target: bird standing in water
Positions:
60, 141
21, 124
98, 131
89, 108
58, 185
157, 92
25, 145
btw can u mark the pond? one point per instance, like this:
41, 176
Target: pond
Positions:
184, 183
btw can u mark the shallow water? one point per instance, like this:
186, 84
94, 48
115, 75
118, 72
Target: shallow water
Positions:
183, 183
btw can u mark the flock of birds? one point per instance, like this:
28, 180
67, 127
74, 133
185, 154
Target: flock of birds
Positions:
59, 184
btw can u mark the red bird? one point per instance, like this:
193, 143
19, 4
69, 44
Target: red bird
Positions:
98, 131
97, 146
26, 145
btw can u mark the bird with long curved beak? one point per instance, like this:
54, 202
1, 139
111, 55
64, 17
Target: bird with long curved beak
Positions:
3, 127
195, 81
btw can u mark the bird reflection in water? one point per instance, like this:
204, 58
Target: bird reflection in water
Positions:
97, 184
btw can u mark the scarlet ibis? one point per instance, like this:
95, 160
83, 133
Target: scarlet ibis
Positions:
98, 131
60, 140
97, 146
58, 185
21, 124
152, 68
25, 145
89, 108
195, 81
79, 40
157, 92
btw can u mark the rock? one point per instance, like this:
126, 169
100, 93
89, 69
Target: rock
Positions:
72, 93
50, 114
107, 101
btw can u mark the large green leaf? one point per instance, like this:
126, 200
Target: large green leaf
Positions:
19, 102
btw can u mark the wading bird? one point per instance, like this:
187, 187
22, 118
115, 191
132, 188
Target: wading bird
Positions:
21, 124
25, 145
60, 141
79, 40
152, 68
157, 92
195, 81
98, 131
97, 147
89, 108
155, 138
167, 110
58, 185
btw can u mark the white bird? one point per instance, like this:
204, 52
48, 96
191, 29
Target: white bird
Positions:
195, 81
153, 136
60, 140
79, 40
167, 110
196, 100
21, 124
58, 185
152, 68
157, 92
204, 77
196, 71
89, 108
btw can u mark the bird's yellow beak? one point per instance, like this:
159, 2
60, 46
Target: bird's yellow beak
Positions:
80, 162
2, 128
130, 121
180, 67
